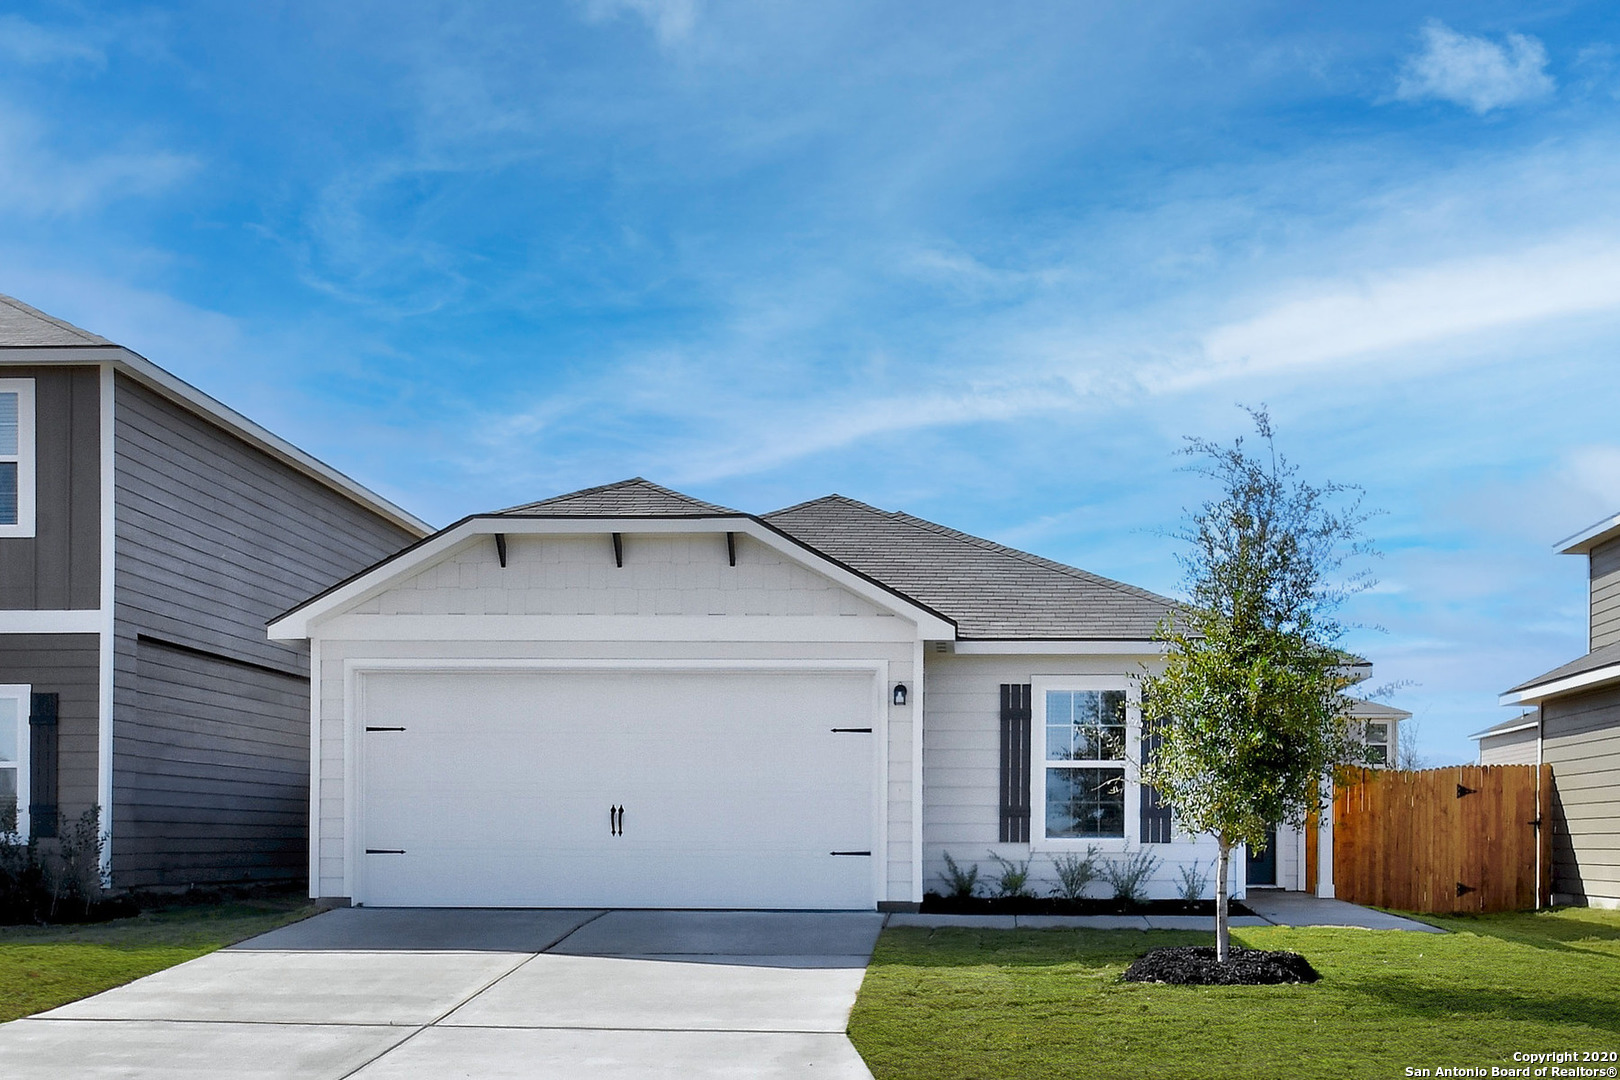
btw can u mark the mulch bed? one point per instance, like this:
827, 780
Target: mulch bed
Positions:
1195, 965
935, 904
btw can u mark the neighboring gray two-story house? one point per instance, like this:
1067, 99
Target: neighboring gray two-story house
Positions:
147, 534
1575, 727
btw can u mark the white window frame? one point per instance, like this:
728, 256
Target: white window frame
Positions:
1388, 741
23, 693
25, 456
1040, 685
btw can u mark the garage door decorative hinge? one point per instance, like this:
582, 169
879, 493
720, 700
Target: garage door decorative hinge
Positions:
384, 851
385, 729
855, 730
849, 853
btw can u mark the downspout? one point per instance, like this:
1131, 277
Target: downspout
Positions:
1541, 734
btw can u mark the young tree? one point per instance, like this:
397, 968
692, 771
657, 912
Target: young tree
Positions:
1250, 704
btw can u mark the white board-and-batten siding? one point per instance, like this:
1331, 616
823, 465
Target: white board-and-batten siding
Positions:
675, 599
962, 763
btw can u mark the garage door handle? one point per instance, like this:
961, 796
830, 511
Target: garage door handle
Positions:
616, 820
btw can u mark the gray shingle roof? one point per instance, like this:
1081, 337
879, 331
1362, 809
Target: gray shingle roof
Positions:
1515, 723
627, 498
1597, 658
990, 590
1362, 709
22, 326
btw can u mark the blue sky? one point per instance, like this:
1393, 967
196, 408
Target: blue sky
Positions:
984, 263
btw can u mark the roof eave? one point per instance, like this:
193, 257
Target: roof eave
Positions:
1534, 693
1490, 731
1590, 537
182, 393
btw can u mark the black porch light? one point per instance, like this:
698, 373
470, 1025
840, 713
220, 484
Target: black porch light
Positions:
899, 693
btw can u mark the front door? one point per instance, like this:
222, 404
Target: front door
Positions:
1262, 864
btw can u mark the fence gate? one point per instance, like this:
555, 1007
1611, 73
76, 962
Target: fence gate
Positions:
1467, 838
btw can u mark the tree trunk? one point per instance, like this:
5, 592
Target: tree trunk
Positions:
1223, 926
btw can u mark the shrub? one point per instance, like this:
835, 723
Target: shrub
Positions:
1129, 873
1075, 873
1194, 881
1013, 879
61, 882
959, 882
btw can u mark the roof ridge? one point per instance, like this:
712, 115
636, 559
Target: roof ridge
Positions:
834, 497
61, 324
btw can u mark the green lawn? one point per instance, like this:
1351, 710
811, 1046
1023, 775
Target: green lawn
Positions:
963, 1004
43, 967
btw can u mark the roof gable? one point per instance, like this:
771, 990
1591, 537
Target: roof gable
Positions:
992, 591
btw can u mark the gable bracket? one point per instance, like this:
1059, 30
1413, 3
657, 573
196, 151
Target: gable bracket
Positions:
618, 550
500, 548
731, 547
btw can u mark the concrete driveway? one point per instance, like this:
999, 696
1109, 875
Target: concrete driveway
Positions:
374, 994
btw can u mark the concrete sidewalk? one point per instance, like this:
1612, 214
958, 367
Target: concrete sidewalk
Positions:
1271, 908
374, 994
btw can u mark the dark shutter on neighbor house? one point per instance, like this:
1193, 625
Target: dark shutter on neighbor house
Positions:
42, 730
1155, 815
1015, 713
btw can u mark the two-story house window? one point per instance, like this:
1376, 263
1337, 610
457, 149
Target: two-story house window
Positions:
16, 457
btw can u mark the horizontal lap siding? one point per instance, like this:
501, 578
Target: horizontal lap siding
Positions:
962, 765
1582, 744
1513, 748
1605, 585
59, 567
215, 538
212, 772
67, 665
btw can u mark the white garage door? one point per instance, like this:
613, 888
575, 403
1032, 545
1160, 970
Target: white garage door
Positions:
627, 789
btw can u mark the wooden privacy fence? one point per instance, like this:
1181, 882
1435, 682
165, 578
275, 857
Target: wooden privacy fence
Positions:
1458, 839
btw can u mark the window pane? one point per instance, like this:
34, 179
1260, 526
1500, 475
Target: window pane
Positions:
8, 423
1059, 725
1085, 725
1378, 733
8, 493
8, 801
10, 729
1378, 754
1085, 802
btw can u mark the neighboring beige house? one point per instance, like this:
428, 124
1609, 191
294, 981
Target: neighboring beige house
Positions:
1577, 732
1512, 742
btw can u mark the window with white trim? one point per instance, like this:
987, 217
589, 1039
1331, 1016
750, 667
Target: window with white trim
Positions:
14, 759
1376, 736
16, 457
1083, 739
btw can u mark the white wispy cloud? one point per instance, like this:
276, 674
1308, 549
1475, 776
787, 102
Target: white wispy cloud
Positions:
1475, 72
38, 179
1405, 307
24, 42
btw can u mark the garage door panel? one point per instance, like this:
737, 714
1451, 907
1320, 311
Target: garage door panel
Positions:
735, 789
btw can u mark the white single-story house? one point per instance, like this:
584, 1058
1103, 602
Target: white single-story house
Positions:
628, 697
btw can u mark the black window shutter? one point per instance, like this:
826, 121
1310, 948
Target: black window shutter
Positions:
1015, 714
42, 730
1155, 815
